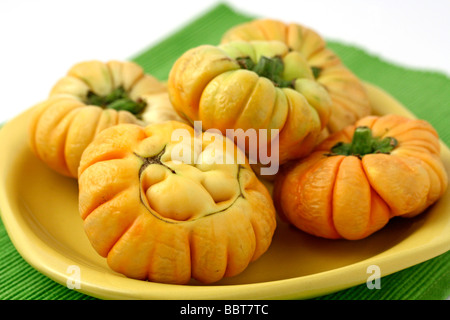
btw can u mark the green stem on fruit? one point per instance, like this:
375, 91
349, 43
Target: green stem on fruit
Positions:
270, 68
118, 100
364, 143
316, 71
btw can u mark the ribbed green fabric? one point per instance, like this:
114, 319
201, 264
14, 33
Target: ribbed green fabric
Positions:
19, 281
425, 93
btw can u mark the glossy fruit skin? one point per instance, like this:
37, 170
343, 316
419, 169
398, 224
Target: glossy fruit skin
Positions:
66, 122
157, 219
351, 197
349, 98
208, 84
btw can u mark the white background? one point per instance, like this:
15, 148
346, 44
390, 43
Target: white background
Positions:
41, 40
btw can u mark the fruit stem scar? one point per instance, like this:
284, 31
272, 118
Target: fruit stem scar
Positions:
156, 159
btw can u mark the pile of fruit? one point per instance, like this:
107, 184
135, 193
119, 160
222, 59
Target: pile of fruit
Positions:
343, 172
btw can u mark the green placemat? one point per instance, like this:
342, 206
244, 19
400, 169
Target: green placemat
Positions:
425, 93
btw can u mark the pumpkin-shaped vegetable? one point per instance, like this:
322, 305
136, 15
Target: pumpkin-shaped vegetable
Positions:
349, 99
252, 86
157, 216
91, 97
362, 176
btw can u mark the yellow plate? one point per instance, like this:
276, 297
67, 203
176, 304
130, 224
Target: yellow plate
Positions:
40, 212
